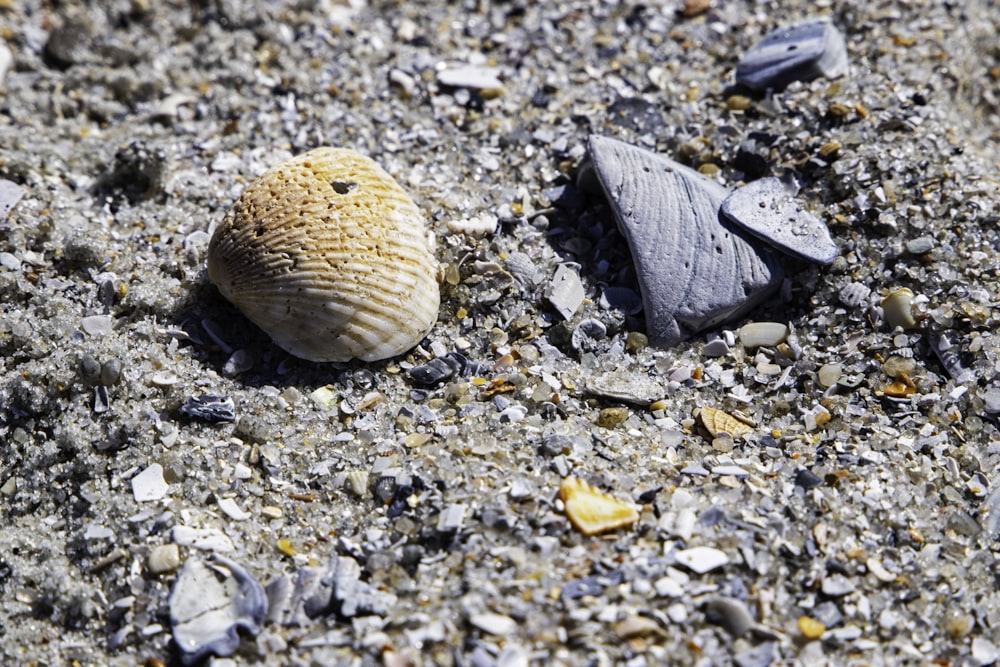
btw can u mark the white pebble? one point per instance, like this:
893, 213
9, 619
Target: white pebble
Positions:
984, 652
567, 291
149, 484
96, 325
702, 559
470, 76
494, 624
164, 558
762, 334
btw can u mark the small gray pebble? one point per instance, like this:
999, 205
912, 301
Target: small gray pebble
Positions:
807, 479
730, 614
90, 370
828, 614
759, 656
837, 585
715, 348
439, 369
111, 372
920, 246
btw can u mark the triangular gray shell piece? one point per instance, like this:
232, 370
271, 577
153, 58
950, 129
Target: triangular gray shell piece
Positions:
693, 271
767, 210
796, 53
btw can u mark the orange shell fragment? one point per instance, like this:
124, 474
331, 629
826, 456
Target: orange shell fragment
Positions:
717, 421
592, 511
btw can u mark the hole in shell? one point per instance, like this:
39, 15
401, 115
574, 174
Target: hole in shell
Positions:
343, 187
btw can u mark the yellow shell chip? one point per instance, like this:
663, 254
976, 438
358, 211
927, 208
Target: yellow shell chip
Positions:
592, 511
717, 421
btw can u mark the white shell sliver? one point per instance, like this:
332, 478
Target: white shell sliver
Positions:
796, 53
330, 257
693, 271
767, 210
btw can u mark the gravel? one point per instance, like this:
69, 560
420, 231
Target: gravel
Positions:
145, 424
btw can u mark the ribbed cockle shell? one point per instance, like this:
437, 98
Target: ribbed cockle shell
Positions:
330, 257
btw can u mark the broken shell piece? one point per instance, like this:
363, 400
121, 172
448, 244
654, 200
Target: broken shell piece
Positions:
898, 309
330, 257
901, 388
796, 53
717, 421
210, 602
592, 511
693, 271
766, 209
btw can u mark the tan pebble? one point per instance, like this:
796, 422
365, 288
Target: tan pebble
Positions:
611, 417
330, 257
717, 421
829, 149
959, 625
829, 374
811, 628
164, 558
738, 102
271, 512
592, 511
898, 309
638, 626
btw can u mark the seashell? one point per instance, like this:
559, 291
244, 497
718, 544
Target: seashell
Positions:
693, 270
898, 309
796, 53
717, 421
209, 604
766, 209
854, 294
10, 194
330, 257
592, 511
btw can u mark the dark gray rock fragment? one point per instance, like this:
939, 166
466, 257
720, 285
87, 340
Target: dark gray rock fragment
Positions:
730, 614
210, 408
209, 604
766, 209
796, 53
694, 271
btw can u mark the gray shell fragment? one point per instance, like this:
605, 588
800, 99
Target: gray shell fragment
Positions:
693, 271
767, 210
10, 194
797, 53
210, 408
209, 604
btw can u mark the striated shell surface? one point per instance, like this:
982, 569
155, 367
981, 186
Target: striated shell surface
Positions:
592, 511
330, 257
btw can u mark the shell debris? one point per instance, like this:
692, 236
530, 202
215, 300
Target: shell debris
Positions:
330, 257
898, 309
799, 52
717, 421
693, 271
592, 511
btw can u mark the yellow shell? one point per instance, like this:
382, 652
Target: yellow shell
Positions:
330, 257
717, 421
592, 511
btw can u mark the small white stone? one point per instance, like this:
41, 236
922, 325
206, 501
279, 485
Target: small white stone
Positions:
97, 532
762, 334
668, 588
97, 325
984, 652
470, 76
837, 585
149, 484
164, 558
702, 559
10, 194
451, 518
494, 624
206, 539
677, 612
6, 60
232, 510
9, 262
566, 294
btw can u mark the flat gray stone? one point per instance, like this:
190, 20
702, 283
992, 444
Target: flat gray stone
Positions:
795, 53
766, 209
694, 272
